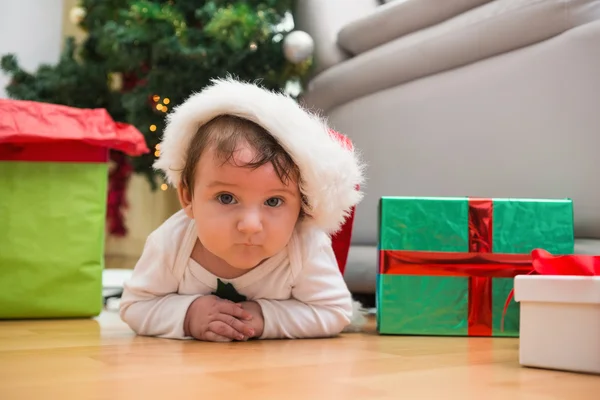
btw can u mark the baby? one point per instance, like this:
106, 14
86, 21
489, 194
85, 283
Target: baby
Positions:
262, 184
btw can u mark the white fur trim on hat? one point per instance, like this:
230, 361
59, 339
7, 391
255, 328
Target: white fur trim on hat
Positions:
330, 172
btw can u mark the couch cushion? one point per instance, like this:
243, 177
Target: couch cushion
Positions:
494, 28
399, 18
523, 124
361, 269
587, 246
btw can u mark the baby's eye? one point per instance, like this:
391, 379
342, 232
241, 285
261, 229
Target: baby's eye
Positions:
274, 202
225, 198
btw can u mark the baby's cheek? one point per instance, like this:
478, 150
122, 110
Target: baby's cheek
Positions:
211, 224
283, 228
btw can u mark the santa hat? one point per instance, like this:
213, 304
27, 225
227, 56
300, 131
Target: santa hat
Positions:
330, 170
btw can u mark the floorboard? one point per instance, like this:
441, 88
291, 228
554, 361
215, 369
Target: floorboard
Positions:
102, 359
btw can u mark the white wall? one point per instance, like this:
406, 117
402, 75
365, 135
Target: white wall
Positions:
32, 30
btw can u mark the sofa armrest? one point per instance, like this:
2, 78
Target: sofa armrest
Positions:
322, 20
398, 18
481, 33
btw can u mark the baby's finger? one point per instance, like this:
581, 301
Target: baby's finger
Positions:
222, 329
234, 309
236, 324
213, 337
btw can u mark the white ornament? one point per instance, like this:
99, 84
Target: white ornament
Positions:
76, 15
298, 46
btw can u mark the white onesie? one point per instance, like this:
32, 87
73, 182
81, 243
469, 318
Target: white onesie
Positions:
301, 290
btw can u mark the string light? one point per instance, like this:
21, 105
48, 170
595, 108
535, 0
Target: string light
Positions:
157, 147
152, 128
160, 107
164, 186
157, 153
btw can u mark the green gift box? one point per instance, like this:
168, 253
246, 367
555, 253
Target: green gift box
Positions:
54, 166
446, 265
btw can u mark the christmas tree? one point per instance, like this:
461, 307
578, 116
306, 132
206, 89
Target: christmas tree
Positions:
141, 58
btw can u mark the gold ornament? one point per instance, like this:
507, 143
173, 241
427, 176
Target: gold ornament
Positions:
115, 81
77, 14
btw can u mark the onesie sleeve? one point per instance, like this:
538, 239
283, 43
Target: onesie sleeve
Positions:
320, 305
150, 304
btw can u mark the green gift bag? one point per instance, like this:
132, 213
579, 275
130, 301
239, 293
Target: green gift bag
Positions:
447, 265
53, 193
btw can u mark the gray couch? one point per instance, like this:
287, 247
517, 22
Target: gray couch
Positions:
461, 98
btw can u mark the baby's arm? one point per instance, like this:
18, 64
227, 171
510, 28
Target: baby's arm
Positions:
150, 304
321, 304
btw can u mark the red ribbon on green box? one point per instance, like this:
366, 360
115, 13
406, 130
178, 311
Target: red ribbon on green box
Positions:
480, 265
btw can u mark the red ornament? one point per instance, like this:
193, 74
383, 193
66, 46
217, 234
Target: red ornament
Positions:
118, 179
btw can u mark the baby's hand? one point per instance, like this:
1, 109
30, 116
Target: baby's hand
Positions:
257, 322
213, 319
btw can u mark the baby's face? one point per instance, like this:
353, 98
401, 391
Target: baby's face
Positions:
243, 215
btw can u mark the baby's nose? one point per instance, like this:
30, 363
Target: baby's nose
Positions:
251, 222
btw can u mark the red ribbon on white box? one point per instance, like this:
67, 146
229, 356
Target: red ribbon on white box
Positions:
545, 263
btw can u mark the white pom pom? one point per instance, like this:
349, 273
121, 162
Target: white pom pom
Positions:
298, 46
76, 15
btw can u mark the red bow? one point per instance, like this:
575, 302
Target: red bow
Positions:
545, 263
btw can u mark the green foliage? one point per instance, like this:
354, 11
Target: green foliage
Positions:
161, 51
68, 82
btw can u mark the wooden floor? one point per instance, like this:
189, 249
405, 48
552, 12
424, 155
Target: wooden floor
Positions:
102, 359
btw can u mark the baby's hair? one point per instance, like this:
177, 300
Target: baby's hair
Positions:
223, 133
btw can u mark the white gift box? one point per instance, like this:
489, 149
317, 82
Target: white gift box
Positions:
560, 322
